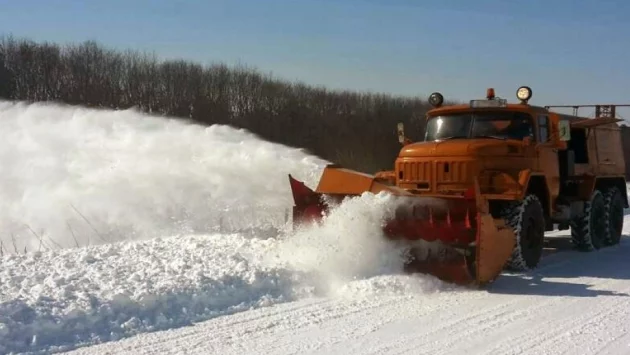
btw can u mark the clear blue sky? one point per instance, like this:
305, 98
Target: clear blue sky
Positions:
568, 51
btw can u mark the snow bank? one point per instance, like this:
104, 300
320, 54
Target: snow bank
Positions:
53, 300
75, 176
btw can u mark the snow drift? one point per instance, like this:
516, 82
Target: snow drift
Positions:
72, 297
159, 197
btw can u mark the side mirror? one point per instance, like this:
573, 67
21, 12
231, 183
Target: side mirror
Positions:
401, 133
564, 130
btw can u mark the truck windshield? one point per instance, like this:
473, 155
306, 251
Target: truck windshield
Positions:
497, 125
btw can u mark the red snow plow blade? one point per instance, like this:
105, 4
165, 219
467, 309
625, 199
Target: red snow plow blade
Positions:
454, 238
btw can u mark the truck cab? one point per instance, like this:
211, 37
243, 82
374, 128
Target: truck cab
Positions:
501, 144
559, 170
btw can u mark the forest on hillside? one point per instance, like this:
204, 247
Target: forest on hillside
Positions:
355, 129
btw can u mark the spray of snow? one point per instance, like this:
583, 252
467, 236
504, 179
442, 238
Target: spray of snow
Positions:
348, 244
159, 187
74, 176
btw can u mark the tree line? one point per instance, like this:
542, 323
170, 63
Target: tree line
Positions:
355, 129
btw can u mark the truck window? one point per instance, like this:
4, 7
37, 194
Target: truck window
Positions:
489, 124
543, 128
578, 144
451, 126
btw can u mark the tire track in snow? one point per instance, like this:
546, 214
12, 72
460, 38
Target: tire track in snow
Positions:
321, 321
482, 320
229, 332
298, 340
556, 319
486, 321
570, 325
458, 329
252, 322
453, 323
623, 335
296, 318
521, 314
380, 313
524, 313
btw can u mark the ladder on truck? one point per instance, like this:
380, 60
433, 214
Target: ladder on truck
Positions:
601, 110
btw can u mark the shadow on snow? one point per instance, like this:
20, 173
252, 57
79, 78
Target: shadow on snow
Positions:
564, 271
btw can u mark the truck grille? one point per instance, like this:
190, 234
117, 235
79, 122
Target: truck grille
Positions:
413, 172
439, 172
451, 172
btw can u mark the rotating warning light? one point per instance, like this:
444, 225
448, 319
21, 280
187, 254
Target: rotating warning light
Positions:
524, 93
436, 99
490, 93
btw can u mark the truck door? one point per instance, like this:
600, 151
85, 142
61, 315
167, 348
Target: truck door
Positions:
547, 154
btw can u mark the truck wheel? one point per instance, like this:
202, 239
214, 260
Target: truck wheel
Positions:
614, 216
588, 231
527, 218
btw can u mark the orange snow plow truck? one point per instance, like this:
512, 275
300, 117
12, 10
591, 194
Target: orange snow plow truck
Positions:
486, 183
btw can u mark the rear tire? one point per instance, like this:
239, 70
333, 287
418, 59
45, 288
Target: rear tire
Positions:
588, 231
527, 218
614, 203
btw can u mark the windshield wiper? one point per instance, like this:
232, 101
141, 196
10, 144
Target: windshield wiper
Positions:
490, 136
451, 137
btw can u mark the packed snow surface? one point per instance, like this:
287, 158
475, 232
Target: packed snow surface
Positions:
145, 235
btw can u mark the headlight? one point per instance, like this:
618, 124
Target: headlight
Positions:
524, 93
436, 99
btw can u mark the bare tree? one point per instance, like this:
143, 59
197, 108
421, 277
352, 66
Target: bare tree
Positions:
352, 128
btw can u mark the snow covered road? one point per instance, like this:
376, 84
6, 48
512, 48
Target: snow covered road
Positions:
575, 303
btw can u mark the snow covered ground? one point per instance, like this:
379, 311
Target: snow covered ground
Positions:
577, 304
173, 256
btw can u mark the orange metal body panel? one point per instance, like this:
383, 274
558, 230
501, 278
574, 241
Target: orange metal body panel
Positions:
504, 168
340, 181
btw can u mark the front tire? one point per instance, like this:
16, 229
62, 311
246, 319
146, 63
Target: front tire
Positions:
527, 218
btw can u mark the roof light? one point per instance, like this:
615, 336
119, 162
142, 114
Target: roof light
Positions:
490, 93
436, 99
524, 93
